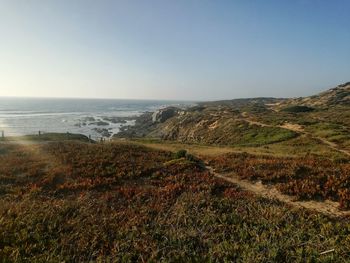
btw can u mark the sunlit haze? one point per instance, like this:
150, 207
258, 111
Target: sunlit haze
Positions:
178, 50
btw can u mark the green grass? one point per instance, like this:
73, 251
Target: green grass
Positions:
327, 129
331, 131
299, 146
234, 133
258, 136
48, 137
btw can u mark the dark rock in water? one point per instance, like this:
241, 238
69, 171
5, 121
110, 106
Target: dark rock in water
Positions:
88, 119
99, 123
164, 114
143, 125
104, 132
122, 120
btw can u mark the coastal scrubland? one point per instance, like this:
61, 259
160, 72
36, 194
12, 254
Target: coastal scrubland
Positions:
77, 201
320, 119
163, 189
307, 177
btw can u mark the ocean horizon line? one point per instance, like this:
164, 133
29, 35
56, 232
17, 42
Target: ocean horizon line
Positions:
99, 98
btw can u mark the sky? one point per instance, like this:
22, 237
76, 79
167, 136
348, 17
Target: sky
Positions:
173, 49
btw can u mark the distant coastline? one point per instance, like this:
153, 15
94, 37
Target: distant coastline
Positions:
90, 117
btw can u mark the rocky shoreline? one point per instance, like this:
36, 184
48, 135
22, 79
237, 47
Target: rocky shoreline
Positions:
102, 125
148, 122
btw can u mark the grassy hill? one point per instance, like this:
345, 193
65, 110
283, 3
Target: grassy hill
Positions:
256, 122
219, 127
339, 95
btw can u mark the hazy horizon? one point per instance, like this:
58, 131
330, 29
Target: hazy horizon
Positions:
174, 50
174, 100
95, 98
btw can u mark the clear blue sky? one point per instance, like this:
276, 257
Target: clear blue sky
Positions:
179, 49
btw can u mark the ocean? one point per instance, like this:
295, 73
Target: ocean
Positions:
92, 117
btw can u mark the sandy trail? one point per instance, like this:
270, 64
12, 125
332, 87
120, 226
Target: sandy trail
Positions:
330, 144
326, 207
299, 129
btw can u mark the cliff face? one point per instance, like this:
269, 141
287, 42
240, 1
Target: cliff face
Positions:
162, 115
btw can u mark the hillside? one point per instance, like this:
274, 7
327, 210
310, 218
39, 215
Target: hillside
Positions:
339, 95
219, 126
256, 122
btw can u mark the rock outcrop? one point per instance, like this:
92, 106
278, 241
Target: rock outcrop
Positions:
162, 115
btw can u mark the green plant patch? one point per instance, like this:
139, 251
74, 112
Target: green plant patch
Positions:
298, 109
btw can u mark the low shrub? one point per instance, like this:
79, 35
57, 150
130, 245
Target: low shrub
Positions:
298, 109
180, 154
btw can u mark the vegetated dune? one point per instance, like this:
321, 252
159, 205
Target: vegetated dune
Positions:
220, 127
254, 122
339, 95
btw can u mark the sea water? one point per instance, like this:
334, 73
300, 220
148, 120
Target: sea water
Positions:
23, 116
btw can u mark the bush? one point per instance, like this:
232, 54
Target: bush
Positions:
297, 109
191, 158
180, 154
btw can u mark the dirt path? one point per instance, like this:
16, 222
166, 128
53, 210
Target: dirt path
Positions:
327, 207
333, 145
299, 129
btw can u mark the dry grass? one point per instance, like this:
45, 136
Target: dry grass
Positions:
121, 202
300, 146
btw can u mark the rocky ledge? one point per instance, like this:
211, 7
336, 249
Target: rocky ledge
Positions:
148, 122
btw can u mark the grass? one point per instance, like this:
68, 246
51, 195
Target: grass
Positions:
264, 135
174, 146
307, 177
219, 126
299, 146
331, 131
47, 137
320, 121
94, 205
71, 201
